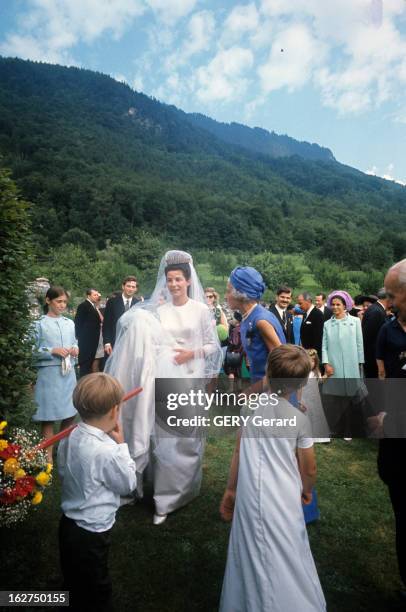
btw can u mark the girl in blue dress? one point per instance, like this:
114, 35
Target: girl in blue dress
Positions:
55, 351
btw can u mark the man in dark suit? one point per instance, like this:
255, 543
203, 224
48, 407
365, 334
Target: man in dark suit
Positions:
320, 303
88, 321
311, 330
392, 451
372, 321
280, 310
115, 307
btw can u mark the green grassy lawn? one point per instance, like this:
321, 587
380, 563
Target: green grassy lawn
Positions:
308, 283
179, 566
208, 279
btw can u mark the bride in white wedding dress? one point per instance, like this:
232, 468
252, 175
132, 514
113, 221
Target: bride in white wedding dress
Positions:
173, 336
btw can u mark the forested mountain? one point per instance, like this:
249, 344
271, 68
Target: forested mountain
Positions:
90, 153
260, 140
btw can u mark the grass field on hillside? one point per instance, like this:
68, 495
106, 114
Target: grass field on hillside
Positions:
208, 279
178, 566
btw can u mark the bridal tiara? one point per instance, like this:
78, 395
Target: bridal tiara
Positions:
178, 257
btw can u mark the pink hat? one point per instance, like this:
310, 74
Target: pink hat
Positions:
349, 303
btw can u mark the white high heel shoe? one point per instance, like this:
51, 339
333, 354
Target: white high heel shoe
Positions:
159, 519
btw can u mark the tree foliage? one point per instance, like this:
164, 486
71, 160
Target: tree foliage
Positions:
277, 270
16, 371
79, 238
331, 276
221, 264
96, 157
74, 267
68, 265
143, 250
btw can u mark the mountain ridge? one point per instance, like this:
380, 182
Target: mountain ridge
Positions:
91, 153
260, 140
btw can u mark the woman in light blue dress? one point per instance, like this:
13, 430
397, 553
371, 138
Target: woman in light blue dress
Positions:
342, 357
55, 351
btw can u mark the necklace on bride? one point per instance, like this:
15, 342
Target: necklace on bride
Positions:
247, 314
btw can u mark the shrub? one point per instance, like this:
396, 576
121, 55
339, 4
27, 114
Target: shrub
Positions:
16, 370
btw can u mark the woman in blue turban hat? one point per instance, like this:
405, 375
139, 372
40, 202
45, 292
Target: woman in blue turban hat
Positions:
260, 329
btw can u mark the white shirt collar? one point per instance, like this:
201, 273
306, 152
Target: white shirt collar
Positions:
93, 431
280, 310
309, 311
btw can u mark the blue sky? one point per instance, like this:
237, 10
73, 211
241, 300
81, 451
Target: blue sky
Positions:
325, 71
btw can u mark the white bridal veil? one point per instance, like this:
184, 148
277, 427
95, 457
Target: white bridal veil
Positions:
145, 350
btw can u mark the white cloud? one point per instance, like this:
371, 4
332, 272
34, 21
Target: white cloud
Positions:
172, 90
372, 74
352, 52
120, 78
200, 29
363, 64
173, 81
170, 11
399, 116
31, 47
160, 38
51, 27
251, 106
222, 79
342, 90
261, 37
242, 19
372, 171
138, 83
387, 175
294, 55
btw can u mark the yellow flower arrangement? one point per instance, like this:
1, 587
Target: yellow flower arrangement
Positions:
37, 498
43, 479
11, 466
24, 474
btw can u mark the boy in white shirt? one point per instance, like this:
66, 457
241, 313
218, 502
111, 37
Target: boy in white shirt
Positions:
95, 469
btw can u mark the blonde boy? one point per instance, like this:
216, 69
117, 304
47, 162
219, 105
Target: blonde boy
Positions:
95, 469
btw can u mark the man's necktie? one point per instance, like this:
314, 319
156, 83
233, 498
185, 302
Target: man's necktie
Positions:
284, 318
127, 305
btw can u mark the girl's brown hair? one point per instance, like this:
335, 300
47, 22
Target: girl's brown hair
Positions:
54, 292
